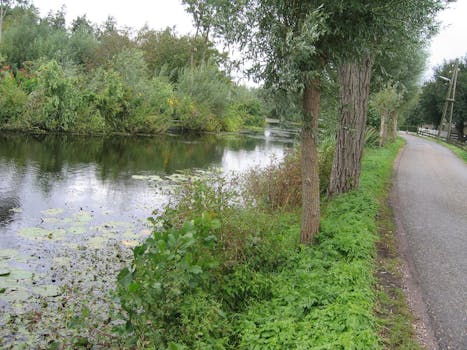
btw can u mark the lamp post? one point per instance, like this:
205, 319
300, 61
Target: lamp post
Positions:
450, 98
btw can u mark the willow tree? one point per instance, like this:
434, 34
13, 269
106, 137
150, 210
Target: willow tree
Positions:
366, 29
285, 40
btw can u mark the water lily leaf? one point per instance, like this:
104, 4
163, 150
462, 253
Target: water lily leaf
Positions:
97, 242
77, 230
8, 253
146, 177
4, 272
19, 274
16, 296
83, 217
16, 210
52, 212
43, 234
50, 220
47, 290
68, 220
128, 243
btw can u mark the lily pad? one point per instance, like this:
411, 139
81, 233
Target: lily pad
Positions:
50, 220
77, 230
8, 253
4, 272
20, 274
16, 210
147, 177
42, 234
83, 217
47, 290
97, 242
52, 212
16, 296
130, 243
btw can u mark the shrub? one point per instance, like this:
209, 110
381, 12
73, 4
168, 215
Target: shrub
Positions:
12, 99
55, 101
112, 98
207, 259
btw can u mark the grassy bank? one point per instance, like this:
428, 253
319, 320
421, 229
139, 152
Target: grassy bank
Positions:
219, 275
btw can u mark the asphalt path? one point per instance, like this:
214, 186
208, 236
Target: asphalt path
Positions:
430, 207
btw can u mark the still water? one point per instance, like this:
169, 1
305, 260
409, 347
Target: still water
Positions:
65, 194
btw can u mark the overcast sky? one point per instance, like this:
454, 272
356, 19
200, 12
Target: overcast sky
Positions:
450, 43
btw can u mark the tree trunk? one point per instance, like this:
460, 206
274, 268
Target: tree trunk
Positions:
354, 90
394, 120
310, 177
2, 13
383, 130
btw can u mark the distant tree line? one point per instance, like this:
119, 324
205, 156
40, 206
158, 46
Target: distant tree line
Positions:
433, 95
86, 78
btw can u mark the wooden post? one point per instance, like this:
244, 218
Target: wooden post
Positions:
453, 97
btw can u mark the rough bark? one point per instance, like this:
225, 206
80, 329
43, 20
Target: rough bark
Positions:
310, 177
2, 14
354, 80
383, 130
394, 126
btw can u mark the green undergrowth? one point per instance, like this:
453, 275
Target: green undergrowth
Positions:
223, 273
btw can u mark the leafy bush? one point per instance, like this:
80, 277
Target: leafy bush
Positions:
112, 98
12, 99
54, 103
208, 259
207, 87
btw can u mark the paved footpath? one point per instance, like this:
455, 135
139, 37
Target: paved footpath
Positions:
430, 207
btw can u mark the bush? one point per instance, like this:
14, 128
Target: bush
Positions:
55, 101
207, 259
12, 99
112, 98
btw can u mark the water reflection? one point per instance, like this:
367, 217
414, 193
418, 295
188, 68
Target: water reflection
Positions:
39, 172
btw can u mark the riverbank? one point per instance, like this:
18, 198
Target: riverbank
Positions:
73, 206
273, 293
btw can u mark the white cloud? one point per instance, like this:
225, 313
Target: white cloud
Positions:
451, 42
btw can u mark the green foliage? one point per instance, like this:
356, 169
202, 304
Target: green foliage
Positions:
112, 98
102, 79
206, 86
431, 102
205, 260
371, 137
54, 105
12, 98
218, 274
